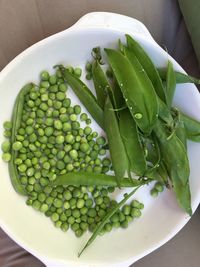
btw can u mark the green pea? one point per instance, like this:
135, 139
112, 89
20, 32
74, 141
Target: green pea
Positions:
78, 72
60, 139
6, 157
63, 87
7, 125
5, 147
17, 145
58, 124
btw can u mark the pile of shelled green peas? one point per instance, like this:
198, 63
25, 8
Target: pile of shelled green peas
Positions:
51, 142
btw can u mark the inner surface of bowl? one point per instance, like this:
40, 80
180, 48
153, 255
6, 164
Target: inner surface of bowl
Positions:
161, 218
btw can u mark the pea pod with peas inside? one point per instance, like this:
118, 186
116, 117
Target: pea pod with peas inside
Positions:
93, 179
136, 88
148, 66
16, 121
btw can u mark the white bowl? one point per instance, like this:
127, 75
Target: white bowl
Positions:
161, 219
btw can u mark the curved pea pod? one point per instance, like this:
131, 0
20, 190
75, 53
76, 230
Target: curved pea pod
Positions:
16, 121
118, 154
148, 66
170, 84
94, 179
192, 127
85, 96
136, 88
179, 76
175, 158
130, 137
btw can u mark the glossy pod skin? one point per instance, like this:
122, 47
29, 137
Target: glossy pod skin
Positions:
148, 66
94, 179
137, 89
118, 153
16, 121
85, 96
101, 84
130, 137
176, 161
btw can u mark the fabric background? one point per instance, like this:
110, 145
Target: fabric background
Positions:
25, 22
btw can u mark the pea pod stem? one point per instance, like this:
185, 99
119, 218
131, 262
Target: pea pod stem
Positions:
16, 121
107, 217
94, 179
85, 96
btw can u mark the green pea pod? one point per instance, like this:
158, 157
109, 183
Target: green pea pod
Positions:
137, 89
16, 122
163, 173
164, 114
118, 96
176, 161
94, 179
117, 150
192, 127
181, 133
130, 137
154, 175
106, 218
170, 84
179, 76
100, 83
148, 66
85, 96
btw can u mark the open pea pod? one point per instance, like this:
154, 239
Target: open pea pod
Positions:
179, 76
176, 161
85, 96
148, 66
192, 127
118, 153
16, 122
137, 89
170, 84
132, 143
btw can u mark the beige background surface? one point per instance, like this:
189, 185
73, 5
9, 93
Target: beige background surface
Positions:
24, 22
